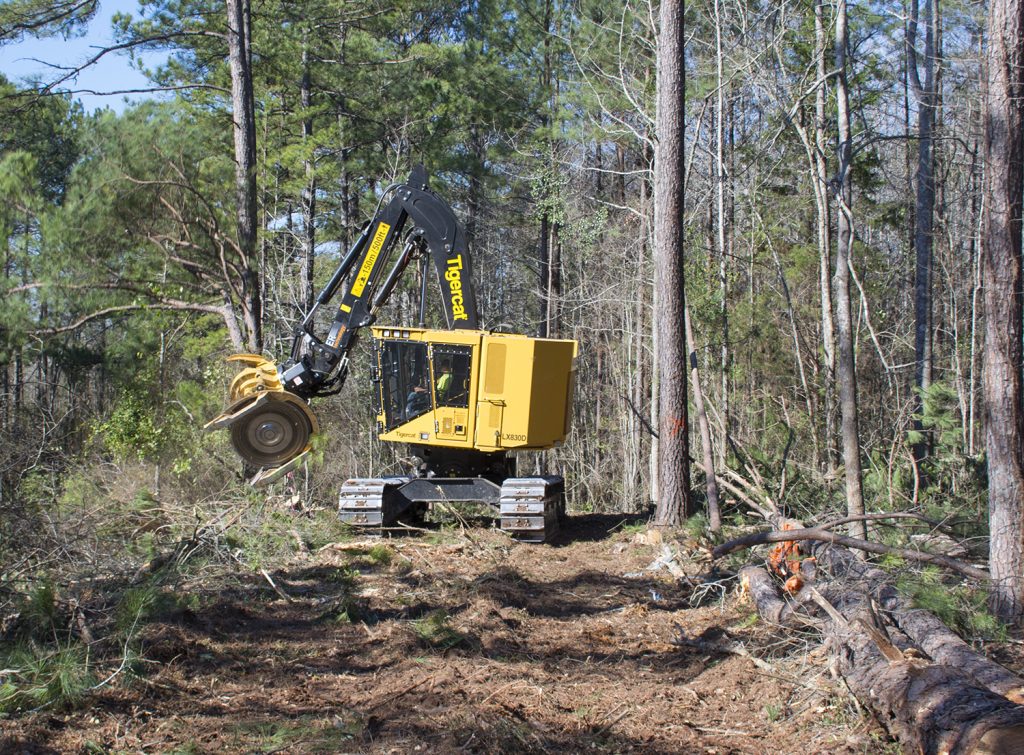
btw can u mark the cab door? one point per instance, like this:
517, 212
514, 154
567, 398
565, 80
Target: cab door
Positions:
452, 370
405, 381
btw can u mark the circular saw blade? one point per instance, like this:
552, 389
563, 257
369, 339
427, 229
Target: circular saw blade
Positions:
272, 434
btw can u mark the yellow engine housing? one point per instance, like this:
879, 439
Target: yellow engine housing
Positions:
505, 392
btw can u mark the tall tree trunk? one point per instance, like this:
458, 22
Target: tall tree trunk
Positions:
244, 132
7, 400
645, 161
1003, 276
345, 203
823, 218
722, 228
924, 209
554, 281
543, 267
975, 188
640, 369
309, 191
707, 452
847, 372
544, 250
476, 188
673, 433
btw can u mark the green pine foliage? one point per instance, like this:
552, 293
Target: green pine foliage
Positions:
37, 678
961, 608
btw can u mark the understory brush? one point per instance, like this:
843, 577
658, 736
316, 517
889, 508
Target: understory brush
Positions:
959, 606
93, 555
434, 631
35, 676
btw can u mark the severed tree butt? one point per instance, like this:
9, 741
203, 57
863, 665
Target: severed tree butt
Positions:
923, 628
930, 705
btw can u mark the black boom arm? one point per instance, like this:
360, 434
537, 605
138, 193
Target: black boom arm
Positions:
318, 367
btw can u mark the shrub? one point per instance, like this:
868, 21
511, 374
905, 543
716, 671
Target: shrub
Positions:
37, 677
434, 631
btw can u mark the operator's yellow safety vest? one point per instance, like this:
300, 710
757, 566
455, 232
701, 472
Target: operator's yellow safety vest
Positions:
443, 384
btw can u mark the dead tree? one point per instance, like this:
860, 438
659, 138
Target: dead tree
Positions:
847, 373
924, 93
243, 118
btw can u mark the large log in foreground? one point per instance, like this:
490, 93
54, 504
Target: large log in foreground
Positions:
923, 628
925, 684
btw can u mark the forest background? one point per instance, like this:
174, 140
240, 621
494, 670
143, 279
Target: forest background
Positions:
142, 247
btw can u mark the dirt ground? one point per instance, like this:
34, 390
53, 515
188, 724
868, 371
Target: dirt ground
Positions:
464, 641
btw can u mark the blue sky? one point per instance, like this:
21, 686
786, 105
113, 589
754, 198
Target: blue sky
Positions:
112, 72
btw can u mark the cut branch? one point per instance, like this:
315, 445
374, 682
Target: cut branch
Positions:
824, 536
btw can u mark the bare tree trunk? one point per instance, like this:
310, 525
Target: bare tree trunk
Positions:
646, 160
244, 131
640, 369
309, 191
7, 400
711, 482
543, 267
554, 281
847, 372
972, 380
924, 94
1003, 276
823, 218
721, 224
345, 201
474, 200
673, 436
19, 380
976, 188
544, 251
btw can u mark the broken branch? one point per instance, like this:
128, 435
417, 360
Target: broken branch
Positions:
822, 535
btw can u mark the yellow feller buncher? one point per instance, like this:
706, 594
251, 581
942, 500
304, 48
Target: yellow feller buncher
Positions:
464, 400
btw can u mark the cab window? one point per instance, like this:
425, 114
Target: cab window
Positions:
451, 366
405, 381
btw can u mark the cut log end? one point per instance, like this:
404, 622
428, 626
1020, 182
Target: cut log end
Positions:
1016, 696
928, 686
1001, 741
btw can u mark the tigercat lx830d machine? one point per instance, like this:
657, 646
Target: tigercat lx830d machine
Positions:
463, 399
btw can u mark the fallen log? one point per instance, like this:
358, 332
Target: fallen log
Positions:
759, 585
825, 536
930, 706
923, 628
771, 605
934, 670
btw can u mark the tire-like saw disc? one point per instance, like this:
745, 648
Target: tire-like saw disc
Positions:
272, 434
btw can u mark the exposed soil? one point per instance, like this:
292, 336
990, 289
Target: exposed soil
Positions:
466, 642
